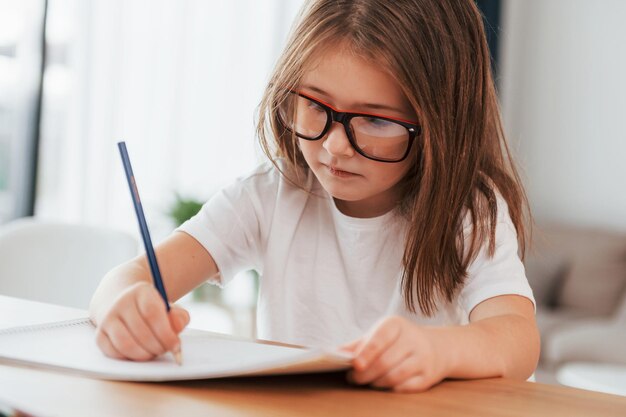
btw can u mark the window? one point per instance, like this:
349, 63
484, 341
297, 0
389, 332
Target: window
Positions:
21, 51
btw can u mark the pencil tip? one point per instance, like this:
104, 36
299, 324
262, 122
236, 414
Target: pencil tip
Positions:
178, 357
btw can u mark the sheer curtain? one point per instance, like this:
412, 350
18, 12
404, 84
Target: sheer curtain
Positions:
179, 81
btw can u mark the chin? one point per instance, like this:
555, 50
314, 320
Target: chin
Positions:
336, 187
340, 193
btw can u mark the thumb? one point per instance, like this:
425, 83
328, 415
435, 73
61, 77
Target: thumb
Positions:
179, 318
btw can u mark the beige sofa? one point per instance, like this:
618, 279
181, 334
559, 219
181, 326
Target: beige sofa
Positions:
578, 276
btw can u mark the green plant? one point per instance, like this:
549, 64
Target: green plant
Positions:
184, 209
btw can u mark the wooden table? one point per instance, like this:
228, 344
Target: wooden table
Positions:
47, 393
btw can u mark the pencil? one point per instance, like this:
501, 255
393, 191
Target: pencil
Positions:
145, 235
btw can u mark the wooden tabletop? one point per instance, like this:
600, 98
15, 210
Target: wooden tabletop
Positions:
49, 393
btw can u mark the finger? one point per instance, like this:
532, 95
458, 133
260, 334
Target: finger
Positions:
142, 333
383, 364
124, 342
400, 373
417, 383
383, 336
105, 345
352, 346
155, 315
179, 318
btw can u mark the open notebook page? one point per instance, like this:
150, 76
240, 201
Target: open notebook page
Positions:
70, 346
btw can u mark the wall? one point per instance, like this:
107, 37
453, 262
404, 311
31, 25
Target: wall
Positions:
563, 90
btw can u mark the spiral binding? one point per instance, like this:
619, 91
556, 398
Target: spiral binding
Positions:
45, 326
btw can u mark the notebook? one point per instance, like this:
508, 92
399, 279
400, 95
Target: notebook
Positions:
70, 346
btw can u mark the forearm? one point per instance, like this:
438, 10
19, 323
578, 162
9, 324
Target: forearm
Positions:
501, 346
114, 283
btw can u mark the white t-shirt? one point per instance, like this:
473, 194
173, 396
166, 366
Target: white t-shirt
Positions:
326, 278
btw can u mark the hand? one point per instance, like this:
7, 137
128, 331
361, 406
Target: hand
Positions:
137, 325
399, 355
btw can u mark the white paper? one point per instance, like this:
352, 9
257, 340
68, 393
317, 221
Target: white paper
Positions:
71, 346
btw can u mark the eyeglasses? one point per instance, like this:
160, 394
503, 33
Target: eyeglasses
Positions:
379, 138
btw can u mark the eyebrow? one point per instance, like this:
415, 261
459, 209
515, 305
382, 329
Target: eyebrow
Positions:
373, 106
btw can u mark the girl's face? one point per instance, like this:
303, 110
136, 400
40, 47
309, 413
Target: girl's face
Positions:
360, 186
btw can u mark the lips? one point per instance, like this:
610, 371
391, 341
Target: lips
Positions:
339, 172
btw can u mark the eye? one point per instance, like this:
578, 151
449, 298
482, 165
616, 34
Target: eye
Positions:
377, 122
315, 106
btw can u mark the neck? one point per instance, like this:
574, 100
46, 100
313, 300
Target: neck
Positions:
366, 208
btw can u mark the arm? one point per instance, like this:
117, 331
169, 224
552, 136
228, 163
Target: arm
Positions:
501, 340
128, 311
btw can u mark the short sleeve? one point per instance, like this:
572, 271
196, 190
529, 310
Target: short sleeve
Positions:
502, 274
230, 226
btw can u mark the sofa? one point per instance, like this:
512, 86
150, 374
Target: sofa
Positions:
578, 276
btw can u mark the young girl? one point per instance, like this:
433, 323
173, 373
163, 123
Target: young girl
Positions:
388, 221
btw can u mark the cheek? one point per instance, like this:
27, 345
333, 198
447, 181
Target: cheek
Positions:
389, 176
408, 165
309, 148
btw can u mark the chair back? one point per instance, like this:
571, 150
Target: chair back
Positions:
58, 263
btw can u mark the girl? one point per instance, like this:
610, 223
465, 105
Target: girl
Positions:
388, 221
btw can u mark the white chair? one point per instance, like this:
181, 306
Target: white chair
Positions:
591, 340
594, 376
58, 263
591, 354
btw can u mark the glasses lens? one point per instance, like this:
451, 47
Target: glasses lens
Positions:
380, 138
303, 116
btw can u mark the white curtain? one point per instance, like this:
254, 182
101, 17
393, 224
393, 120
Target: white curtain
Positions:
178, 80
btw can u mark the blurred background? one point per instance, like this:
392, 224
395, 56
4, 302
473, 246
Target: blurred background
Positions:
179, 81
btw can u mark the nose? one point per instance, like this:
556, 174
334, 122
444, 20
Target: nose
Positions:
337, 142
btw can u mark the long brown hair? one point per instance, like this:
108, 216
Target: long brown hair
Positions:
436, 50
